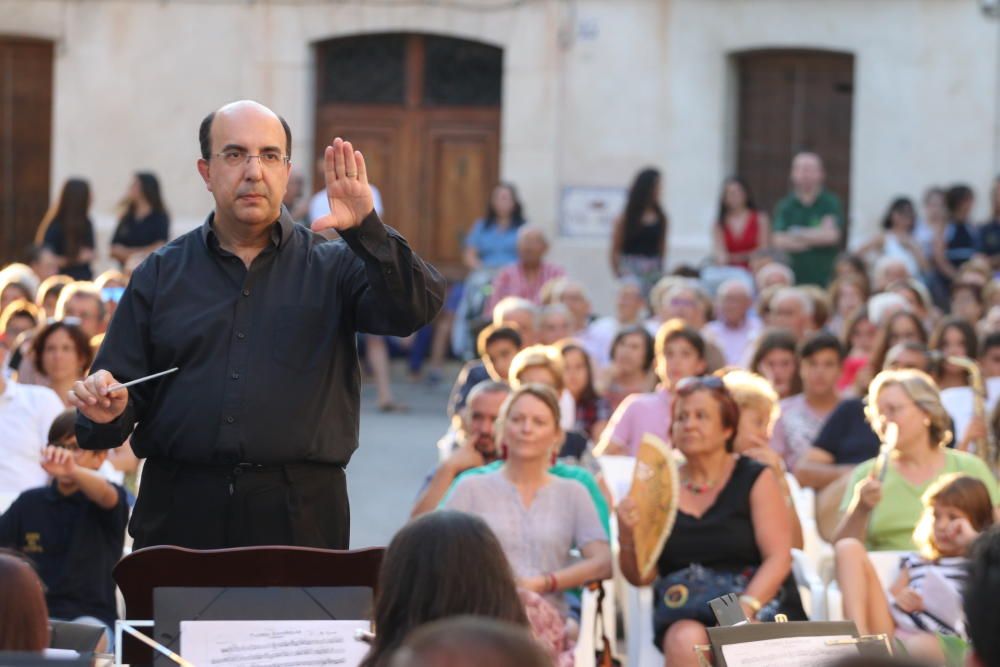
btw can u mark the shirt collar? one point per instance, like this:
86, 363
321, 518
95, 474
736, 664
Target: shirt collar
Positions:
281, 231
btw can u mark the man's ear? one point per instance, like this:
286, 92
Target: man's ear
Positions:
203, 170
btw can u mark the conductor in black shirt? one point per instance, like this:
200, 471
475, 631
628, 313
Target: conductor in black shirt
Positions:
247, 442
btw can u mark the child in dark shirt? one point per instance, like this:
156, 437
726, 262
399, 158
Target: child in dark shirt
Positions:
73, 529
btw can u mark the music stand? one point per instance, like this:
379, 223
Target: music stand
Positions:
145, 570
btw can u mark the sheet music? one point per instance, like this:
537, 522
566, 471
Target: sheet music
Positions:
267, 643
788, 652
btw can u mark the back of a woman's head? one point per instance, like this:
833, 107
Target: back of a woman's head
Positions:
471, 642
440, 565
24, 616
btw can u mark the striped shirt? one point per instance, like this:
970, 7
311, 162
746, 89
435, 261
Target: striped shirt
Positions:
953, 570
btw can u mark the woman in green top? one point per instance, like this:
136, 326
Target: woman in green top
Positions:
882, 512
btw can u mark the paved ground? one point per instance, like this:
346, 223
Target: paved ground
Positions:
396, 453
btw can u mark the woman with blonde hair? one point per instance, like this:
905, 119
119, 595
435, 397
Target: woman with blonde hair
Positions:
883, 498
537, 516
543, 364
759, 410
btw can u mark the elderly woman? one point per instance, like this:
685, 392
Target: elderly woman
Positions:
537, 516
732, 533
882, 505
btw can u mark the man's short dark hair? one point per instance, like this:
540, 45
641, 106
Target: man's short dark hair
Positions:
982, 588
819, 342
989, 342
493, 334
678, 329
205, 136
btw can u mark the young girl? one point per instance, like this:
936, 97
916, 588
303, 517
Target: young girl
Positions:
957, 509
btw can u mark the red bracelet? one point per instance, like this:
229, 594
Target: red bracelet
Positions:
553, 584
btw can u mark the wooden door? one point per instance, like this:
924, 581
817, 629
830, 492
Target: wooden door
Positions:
790, 101
25, 140
425, 111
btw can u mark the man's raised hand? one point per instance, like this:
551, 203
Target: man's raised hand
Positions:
91, 396
347, 188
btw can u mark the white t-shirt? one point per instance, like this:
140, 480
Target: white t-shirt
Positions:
319, 205
26, 413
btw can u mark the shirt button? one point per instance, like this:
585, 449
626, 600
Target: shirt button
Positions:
230, 419
246, 292
235, 375
240, 335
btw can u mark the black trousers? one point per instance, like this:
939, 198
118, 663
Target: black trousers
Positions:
215, 507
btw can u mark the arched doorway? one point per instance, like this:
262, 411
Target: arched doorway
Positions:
25, 140
425, 110
791, 101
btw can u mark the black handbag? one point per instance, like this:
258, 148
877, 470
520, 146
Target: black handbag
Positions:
685, 594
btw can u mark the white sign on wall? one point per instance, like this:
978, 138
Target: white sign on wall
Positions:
589, 212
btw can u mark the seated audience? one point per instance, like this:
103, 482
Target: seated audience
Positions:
26, 413
537, 517
774, 357
542, 364
680, 353
592, 410
496, 345
953, 337
792, 309
47, 295
629, 311
631, 368
820, 361
556, 323
470, 642
846, 296
425, 576
773, 274
882, 512
572, 294
900, 327
736, 328
732, 533
528, 274
845, 440
759, 410
63, 355
73, 530
858, 340
24, 618
967, 302
957, 508
989, 355
20, 316
473, 446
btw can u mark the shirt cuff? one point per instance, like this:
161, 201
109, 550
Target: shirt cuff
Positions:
370, 239
91, 435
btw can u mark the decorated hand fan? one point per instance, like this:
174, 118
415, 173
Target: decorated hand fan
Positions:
654, 490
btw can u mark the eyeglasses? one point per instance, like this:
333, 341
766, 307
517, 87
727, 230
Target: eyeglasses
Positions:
690, 384
237, 158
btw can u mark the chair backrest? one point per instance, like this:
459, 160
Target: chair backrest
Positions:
618, 471
144, 570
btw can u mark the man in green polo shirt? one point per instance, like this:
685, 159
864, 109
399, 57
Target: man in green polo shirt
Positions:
809, 222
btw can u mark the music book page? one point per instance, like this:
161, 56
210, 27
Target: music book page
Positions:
278, 643
788, 652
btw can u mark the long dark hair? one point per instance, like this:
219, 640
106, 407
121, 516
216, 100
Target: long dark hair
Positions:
70, 212
516, 215
569, 345
899, 205
882, 343
640, 197
776, 339
149, 185
24, 616
440, 565
734, 180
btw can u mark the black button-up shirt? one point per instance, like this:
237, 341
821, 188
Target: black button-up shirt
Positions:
267, 355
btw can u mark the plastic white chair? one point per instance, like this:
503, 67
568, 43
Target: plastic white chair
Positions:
589, 640
638, 615
811, 587
617, 471
886, 564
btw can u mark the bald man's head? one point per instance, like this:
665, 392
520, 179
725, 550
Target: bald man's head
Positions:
205, 130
